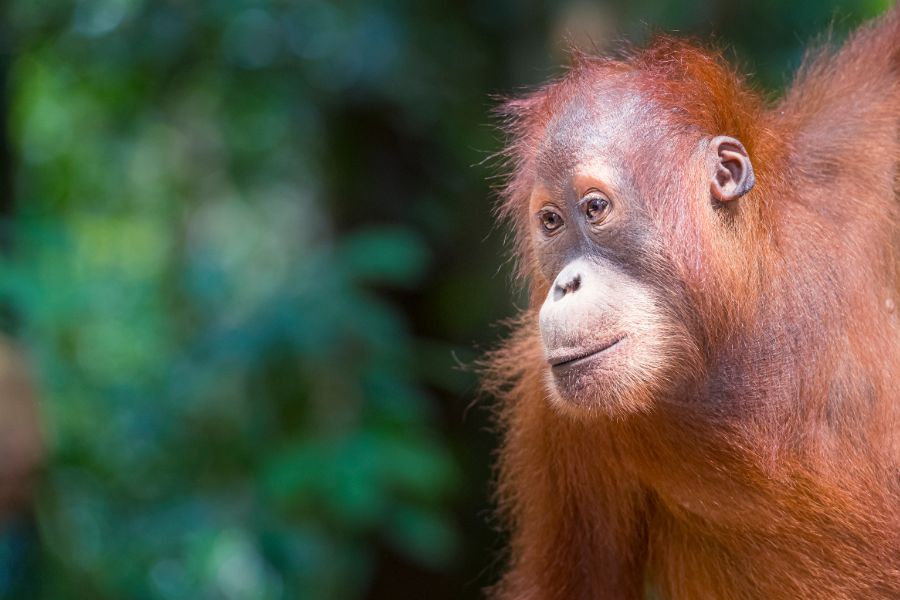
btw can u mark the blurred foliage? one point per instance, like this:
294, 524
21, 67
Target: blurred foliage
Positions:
247, 254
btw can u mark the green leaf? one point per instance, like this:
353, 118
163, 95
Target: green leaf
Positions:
390, 255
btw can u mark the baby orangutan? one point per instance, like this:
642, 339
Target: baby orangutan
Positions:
703, 398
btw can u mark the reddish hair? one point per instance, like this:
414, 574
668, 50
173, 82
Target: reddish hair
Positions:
782, 480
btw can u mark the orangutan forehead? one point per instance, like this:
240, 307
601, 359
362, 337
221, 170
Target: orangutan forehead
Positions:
594, 122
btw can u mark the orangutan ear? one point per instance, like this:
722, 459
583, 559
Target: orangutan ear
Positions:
731, 171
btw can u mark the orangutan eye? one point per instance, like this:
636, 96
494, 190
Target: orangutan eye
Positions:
550, 220
596, 207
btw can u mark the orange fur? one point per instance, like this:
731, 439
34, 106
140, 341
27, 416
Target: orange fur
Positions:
779, 475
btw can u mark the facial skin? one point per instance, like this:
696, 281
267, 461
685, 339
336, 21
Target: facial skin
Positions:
615, 323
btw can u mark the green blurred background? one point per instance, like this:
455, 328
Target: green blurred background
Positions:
247, 261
